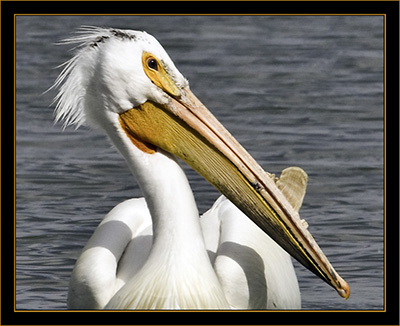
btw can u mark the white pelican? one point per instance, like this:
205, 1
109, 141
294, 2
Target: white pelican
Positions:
155, 253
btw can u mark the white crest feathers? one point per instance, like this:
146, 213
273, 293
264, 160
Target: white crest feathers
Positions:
74, 78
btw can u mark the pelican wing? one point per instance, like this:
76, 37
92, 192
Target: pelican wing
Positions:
115, 252
245, 260
244, 257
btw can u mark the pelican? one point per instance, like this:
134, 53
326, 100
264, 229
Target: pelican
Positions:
156, 252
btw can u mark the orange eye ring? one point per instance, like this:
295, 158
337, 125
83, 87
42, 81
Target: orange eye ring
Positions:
155, 71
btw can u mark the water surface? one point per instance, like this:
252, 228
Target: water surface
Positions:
294, 90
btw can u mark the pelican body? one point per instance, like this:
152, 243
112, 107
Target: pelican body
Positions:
156, 252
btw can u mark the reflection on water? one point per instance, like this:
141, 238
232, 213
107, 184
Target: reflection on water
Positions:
299, 90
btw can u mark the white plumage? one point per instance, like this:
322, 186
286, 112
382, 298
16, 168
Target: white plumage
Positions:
155, 252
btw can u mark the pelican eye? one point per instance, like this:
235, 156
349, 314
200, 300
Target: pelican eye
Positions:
152, 63
155, 71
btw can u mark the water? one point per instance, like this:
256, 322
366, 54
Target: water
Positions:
294, 90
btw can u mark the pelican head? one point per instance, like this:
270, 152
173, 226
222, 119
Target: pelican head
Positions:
125, 83
112, 72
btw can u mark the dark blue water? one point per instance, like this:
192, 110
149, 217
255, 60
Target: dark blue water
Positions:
294, 90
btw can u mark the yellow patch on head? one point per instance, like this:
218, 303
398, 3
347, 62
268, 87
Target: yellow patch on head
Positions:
156, 72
